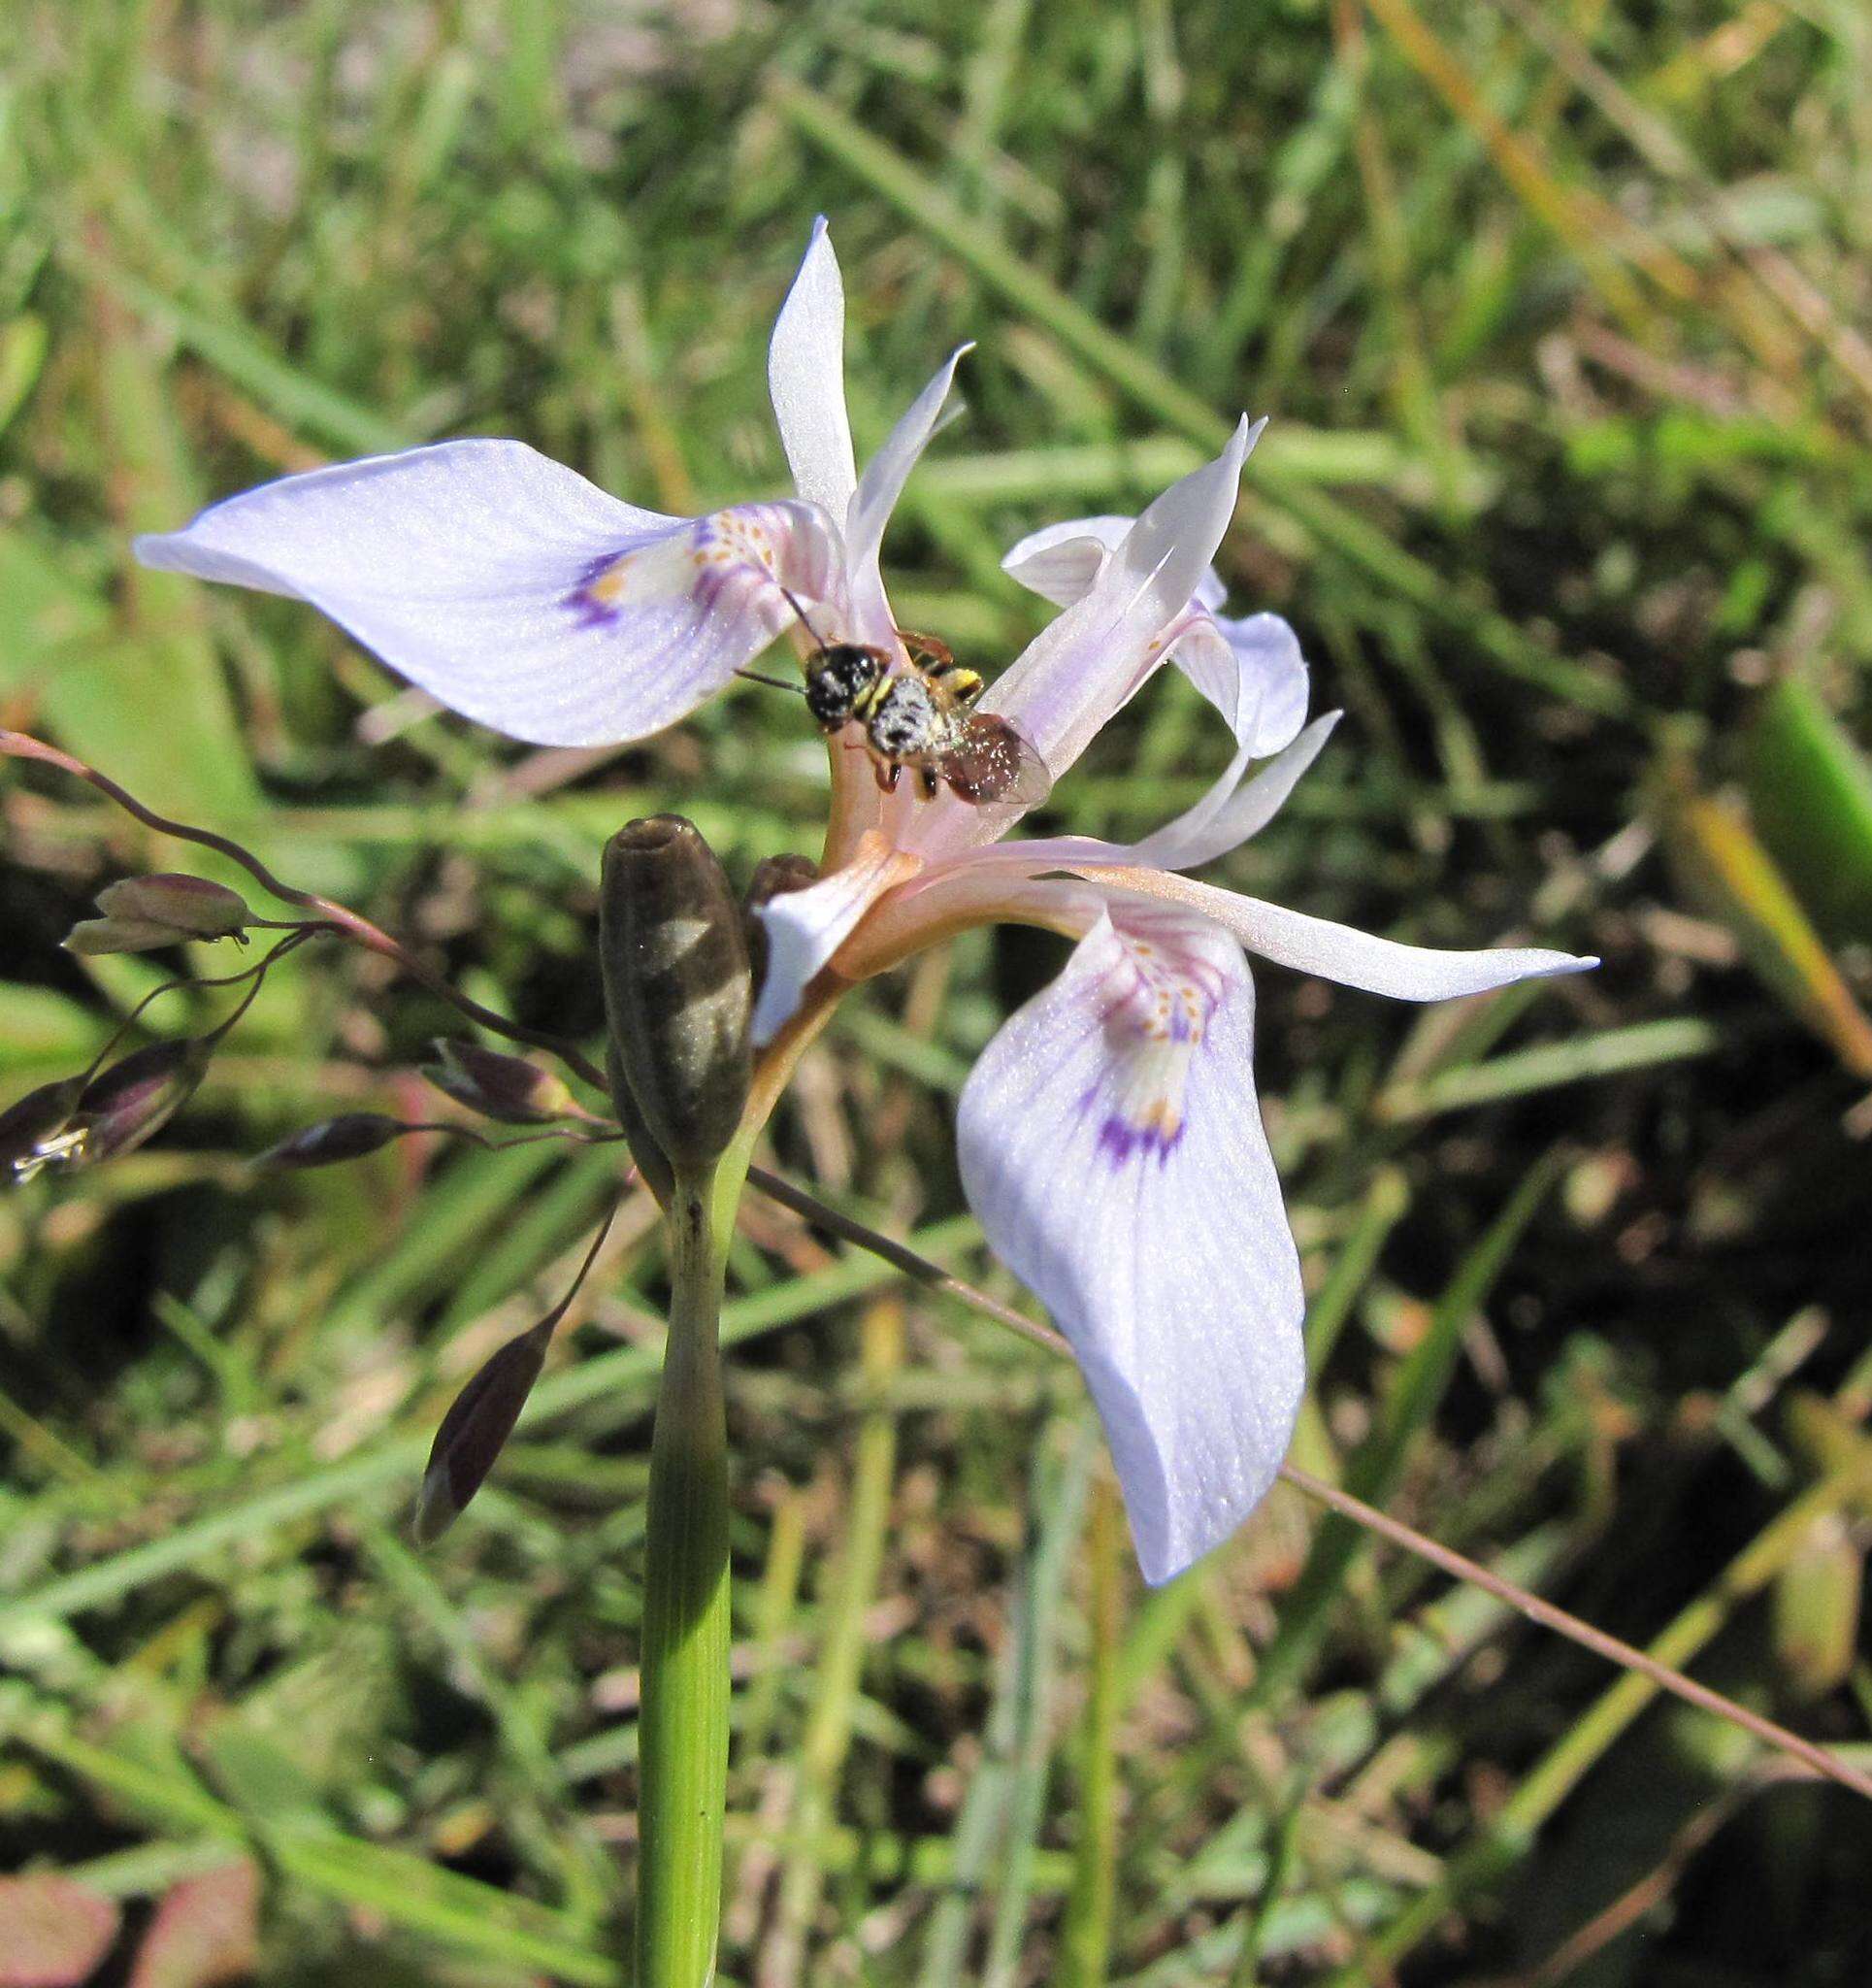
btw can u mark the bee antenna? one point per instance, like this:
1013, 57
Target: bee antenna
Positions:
775, 682
806, 621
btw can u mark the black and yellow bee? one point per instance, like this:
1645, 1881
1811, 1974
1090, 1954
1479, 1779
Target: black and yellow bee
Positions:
920, 718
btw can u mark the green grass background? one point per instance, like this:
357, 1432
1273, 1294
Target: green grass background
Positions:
1561, 312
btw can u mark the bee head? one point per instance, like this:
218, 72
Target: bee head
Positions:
838, 676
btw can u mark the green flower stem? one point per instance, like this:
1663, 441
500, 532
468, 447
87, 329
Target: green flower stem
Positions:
684, 1718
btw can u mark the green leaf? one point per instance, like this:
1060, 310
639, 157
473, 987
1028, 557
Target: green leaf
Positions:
1809, 790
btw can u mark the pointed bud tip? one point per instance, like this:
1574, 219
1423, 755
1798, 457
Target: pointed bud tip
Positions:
94, 938
31, 1128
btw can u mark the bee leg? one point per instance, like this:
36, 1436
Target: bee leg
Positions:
927, 779
888, 774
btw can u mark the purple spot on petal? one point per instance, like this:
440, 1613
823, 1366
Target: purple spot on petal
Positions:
1119, 1140
585, 600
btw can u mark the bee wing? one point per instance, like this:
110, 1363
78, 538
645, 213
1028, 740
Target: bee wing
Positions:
993, 764
925, 650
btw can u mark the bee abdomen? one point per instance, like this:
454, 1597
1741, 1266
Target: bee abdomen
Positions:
907, 719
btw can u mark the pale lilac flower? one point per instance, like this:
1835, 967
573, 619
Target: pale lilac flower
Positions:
1109, 1136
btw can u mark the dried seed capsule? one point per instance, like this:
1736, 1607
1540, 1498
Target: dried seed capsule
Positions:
507, 1090
138, 1095
475, 1429
678, 990
190, 907
351, 1136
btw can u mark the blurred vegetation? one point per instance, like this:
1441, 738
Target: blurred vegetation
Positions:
1561, 312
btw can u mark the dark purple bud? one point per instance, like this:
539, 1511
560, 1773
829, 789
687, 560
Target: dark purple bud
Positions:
332, 1141
32, 1129
505, 1088
190, 907
475, 1429
137, 1096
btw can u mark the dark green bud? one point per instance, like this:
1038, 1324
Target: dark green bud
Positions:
678, 991
190, 907
653, 1163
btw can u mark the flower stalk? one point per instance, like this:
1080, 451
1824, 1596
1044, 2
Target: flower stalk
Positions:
683, 1715
678, 994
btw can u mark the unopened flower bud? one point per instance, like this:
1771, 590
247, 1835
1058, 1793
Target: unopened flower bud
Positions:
773, 877
505, 1088
653, 1163
678, 990
92, 936
138, 1095
349, 1137
189, 907
475, 1429
33, 1127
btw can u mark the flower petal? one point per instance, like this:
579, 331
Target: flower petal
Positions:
513, 590
1252, 671
1231, 813
1079, 671
1085, 665
1343, 953
1112, 1149
805, 377
805, 928
1062, 562
878, 490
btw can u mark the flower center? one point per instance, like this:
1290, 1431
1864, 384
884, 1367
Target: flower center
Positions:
1156, 999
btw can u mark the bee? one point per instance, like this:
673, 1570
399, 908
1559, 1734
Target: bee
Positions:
921, 718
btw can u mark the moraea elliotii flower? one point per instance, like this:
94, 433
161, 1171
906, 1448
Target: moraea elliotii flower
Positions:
1109, 1136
